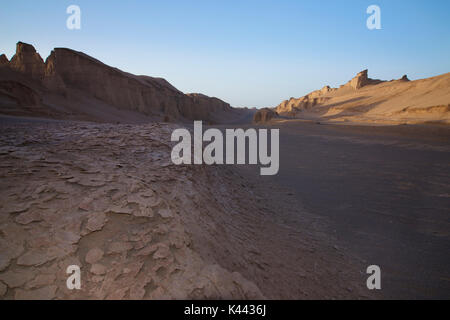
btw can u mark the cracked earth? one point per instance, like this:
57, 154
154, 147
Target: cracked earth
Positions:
108, 199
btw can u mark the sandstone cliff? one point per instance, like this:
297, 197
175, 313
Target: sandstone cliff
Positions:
361, 80
291, 106
71, 82
317, 97
27, 61
363, 99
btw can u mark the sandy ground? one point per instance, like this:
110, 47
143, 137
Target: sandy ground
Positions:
383, 192
107, 198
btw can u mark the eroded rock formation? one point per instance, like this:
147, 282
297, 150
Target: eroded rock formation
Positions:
361, 80
3, 60
264, 115
308, 101
27, 61
294, 105
363, 99
67, 74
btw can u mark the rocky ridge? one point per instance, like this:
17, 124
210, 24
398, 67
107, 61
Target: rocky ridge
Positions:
366, 100
264, 115
67, 74
318, 97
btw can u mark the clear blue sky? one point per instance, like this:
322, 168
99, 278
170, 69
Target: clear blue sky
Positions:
249, 53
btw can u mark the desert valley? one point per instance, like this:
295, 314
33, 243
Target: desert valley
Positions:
87, 179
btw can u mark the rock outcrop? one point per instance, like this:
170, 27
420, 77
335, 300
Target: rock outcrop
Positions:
27, 61
20, 93
294, 105
67, 73
3, 60
363, 99
308, 101
199, 102
404, 78
264, 115
361, 80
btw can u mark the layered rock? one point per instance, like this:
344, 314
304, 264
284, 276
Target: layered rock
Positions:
361, 79
318, 97
308, 101
70, 69
20, 93
199, 103
70, 73
363, 99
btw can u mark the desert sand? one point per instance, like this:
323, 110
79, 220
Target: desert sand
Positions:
382, 193
106, 197
86, 179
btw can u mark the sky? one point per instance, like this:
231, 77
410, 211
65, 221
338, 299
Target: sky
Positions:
250, 53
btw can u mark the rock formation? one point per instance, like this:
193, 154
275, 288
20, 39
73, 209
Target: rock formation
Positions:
361, 80
293, 105
364, 99
27, 61
308, 101
404, 78
21, 94
264, 115
3, 60
67, 74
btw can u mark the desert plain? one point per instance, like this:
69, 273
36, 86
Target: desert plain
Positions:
86, 179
